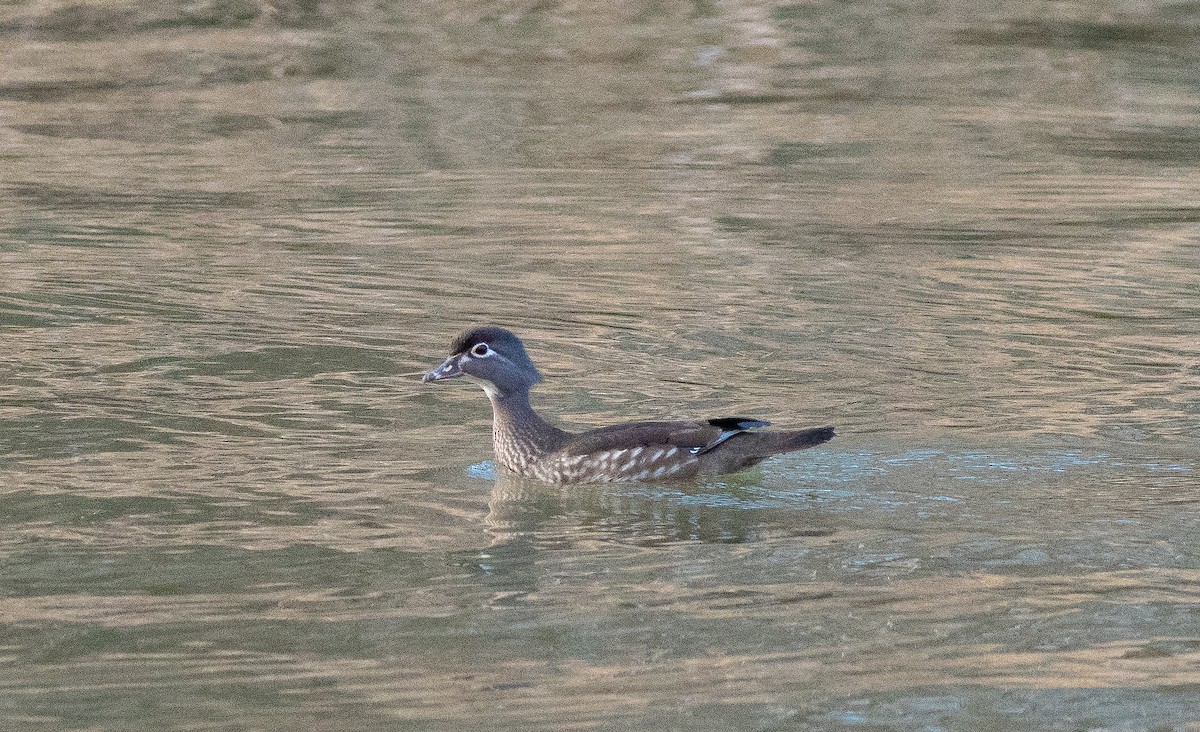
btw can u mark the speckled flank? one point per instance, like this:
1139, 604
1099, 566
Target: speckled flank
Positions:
656, 462
659, 462
521, 451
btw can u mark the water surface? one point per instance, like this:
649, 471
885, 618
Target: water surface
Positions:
232, 235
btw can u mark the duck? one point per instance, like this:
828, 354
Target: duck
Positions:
651, 451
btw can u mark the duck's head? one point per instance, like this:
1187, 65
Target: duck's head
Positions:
493, 356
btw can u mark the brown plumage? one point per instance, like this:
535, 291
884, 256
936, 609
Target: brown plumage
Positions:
639, 451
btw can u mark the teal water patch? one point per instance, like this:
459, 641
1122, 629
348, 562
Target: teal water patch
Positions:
485, 470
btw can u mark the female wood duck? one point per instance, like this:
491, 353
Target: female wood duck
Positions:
638, 451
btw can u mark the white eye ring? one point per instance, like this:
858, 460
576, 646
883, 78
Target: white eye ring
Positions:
481, 350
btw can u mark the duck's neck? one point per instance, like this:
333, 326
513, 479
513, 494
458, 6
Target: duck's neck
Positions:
519, 436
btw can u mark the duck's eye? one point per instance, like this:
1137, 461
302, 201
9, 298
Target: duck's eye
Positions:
481, 350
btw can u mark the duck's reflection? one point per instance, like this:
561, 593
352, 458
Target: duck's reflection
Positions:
527, 522
641, 514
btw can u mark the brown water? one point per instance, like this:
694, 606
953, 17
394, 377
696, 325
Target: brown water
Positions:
232, 234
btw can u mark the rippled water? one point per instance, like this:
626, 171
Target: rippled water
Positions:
233, 234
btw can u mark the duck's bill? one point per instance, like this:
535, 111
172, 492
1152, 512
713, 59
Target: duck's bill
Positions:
448, 370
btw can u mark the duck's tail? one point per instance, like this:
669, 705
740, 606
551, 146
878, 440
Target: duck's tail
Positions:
776, 442
751, 448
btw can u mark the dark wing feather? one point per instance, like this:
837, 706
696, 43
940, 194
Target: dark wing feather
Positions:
642, 434
699, 437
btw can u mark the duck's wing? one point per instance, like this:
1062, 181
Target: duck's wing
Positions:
697, 437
